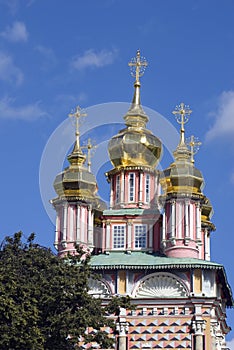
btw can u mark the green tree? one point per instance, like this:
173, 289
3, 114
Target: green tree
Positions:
44, 300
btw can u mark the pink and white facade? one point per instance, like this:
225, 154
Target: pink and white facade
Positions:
152, 243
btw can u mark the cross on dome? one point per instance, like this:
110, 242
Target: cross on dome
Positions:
137, 66
182, 113
77, 113
194, 145
89, 146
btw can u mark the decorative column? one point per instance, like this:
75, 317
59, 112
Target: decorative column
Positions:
108, 247
186, 235
57, 229
173, 216
90, 226
122, 329
213, 329
78, 224
82, 224
220, 341
198, 326
71, 224
64, 237
140, 188
198, 222
111, 193
129, 235
179, 220
163, 242
122, 188
191, 221
207, 244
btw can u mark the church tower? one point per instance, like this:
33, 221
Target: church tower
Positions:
132, 222
77, 203
153, 242
186, 224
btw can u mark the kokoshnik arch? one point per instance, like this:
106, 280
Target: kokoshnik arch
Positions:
153, 240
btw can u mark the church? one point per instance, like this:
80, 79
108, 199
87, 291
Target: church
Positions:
152, 241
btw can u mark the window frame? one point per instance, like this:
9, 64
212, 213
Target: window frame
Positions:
119, 238
131, 187
137, 240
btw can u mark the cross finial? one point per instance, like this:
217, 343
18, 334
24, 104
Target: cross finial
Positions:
77, 113
182, 113
137, 66
89, 146
194, 145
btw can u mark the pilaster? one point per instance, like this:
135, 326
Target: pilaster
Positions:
122, 329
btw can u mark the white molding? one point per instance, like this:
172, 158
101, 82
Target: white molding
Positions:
98, 289
160, 285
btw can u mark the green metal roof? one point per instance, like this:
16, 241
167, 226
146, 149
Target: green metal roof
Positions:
136, 260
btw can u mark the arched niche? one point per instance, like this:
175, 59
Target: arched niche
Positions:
98, 289
160, 285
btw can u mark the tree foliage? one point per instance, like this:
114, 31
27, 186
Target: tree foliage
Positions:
44, 300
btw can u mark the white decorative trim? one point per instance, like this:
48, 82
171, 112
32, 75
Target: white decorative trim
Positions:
160, 285
98, 289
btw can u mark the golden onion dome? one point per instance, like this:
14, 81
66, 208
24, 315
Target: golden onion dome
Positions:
76, 182
135, 145
182, 176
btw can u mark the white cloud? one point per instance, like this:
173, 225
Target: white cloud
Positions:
50, 59
12, 5
30, 112
90, 58
16, 33
224, 117
230, 344
8, 71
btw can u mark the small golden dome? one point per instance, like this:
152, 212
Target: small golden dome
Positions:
76, 182
181, 175
135, 145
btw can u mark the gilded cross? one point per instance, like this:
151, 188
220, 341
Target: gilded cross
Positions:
182, 113
89, 148
138, 65
194, 145
77, 114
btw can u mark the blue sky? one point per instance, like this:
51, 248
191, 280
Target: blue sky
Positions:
57, 54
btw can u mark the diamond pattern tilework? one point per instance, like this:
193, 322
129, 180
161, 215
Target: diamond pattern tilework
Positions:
162, 333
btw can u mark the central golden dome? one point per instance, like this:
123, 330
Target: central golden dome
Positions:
135, 145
